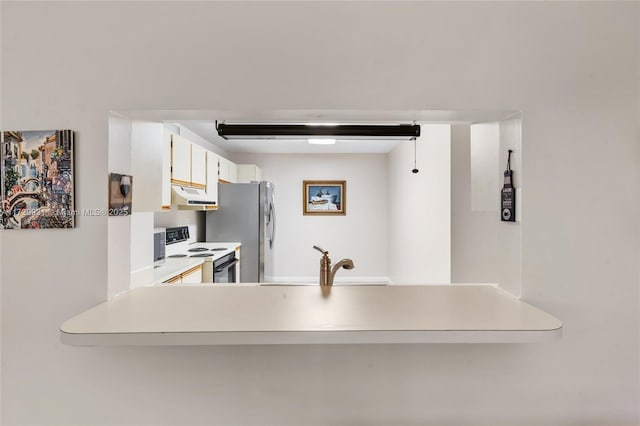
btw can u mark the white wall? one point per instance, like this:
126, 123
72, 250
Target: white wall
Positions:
360, 235
475, 242
484, 249
420, 209
485, 176
119, 249
510, 233
572, 68
141, 246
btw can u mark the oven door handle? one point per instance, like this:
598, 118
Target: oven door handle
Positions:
226, 265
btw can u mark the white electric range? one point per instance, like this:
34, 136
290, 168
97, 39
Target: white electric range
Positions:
221, 260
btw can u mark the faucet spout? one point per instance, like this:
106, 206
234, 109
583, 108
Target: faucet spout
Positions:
327, 273
344, 263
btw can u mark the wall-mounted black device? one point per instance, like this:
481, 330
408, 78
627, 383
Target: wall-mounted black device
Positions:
508, 195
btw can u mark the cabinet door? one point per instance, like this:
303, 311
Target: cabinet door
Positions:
249, 173
166, 173
151, 166
212, 176
174, 280
198, 166
233, 172
228, 171
193, 276
180, 160
223, 175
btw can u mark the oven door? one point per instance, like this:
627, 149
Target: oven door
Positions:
224, 269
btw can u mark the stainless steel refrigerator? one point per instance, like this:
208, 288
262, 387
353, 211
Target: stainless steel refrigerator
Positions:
246, 214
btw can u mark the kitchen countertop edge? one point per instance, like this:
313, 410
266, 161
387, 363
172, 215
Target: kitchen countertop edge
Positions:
497, 318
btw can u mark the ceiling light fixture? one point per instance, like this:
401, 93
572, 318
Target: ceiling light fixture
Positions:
318, 130
322, 141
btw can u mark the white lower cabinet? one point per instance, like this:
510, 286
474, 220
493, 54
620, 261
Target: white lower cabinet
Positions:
174, 280
191, 276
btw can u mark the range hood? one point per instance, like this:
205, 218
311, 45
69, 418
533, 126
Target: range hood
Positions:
187, 198
317, 130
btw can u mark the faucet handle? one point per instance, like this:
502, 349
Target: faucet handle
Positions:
321, 250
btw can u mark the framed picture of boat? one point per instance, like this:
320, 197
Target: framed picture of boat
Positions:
324, 197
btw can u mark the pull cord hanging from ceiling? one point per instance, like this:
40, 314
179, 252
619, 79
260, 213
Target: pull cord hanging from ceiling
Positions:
415, 167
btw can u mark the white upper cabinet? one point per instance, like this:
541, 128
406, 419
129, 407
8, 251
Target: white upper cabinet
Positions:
198, 166
228, 171
188, 162
161, 158
212, 175
180, 160
150, 167
249, 173
233, 172
223, 172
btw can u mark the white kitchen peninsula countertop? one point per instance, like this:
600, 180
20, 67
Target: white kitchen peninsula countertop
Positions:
300, 315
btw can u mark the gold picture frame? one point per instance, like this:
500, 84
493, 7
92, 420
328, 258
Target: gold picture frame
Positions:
324, 197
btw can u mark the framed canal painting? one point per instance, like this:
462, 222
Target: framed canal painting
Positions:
324, 197
37, 188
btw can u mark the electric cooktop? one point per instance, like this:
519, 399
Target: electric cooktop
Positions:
196, 249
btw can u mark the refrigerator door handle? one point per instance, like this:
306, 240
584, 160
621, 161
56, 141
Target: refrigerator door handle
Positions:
272, 214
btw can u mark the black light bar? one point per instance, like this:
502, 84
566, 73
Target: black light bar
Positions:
302, 131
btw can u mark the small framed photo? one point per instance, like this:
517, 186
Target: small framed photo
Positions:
324, 197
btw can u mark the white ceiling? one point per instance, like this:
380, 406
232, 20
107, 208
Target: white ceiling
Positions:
202, 123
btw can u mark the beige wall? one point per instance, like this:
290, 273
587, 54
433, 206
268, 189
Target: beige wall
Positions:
571, 68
